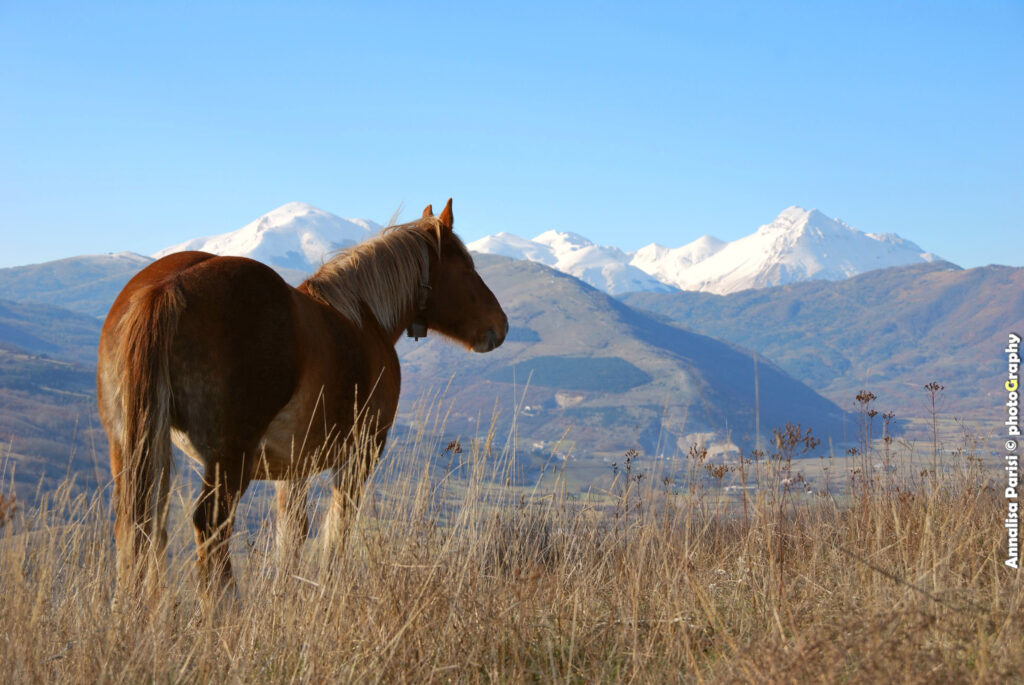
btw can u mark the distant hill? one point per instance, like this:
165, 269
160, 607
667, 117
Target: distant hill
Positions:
890, 331
611, 376
49, 426
86, 284
43, 329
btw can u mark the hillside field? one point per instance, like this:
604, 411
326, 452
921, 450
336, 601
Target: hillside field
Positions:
752, 574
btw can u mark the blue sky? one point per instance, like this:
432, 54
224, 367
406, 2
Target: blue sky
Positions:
132, 126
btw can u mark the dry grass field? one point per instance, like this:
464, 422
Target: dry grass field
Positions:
893, 575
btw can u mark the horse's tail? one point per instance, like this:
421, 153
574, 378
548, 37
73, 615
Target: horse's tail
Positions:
146, 332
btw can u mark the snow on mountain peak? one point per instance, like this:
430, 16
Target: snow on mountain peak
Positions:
789, 216
798, 220
799, 244
562, 241
294, 238
652, 251
510, 245
605, 268
668, 264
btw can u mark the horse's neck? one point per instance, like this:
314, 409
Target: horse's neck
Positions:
377, 282
368, 322
362, 315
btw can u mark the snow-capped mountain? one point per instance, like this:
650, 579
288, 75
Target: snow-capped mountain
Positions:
666, 263
605, 268
294, 239
509, 245
798, 245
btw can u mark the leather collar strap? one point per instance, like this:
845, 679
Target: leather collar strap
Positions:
418, 328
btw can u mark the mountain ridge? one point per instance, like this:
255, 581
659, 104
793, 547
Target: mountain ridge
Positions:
797, 245
297, 237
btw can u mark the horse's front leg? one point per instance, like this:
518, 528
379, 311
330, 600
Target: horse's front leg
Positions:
292, 520
346, 493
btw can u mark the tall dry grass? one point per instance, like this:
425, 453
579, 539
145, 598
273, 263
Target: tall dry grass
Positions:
452, 573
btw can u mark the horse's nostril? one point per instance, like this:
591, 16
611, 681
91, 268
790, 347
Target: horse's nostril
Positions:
490, 341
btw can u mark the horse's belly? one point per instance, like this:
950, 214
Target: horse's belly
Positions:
281, 452
281, 444
298, 442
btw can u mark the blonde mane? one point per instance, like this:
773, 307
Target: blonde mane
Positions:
383, 273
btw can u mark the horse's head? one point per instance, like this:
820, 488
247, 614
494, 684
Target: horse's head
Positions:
457, 303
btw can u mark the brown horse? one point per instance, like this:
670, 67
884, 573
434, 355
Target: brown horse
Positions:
255, 379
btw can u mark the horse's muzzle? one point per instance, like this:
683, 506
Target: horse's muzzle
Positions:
491, 340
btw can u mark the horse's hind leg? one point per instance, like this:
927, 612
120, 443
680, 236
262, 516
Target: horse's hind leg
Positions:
292, 520
224, 483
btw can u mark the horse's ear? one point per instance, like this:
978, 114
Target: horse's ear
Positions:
446, 216
428, 212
